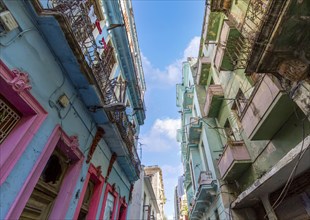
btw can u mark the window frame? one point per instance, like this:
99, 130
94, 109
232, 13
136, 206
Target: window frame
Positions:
14, 87
109, 189
92, 174
67, 144
122, 202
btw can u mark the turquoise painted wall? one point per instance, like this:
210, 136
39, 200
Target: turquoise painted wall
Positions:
31, 54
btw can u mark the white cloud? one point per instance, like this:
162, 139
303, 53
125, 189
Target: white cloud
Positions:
172, 73
162, 136
192, 48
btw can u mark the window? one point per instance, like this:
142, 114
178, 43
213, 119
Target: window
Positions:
42, 198
239, 103
109, 203
90, 196
122, 212
229, 132
19, 113
47, 192
9, 117
86, 201
109, 207
108, 58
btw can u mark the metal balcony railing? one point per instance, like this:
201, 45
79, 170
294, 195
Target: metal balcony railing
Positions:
127, 133
76, 13
205, 177
254, 18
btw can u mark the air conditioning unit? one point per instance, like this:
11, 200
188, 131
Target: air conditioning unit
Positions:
8, 21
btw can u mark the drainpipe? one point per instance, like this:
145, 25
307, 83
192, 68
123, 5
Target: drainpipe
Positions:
268, 208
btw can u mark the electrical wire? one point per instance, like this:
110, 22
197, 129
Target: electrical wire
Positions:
289, 181
17, 36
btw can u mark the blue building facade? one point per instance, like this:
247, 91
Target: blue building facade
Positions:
72, 88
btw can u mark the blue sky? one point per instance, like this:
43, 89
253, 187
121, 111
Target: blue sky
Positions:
168, 32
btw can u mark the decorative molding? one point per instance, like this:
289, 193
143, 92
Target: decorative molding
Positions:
113, 187
109, 189
14, 88
98, 171
20, 82
112, 160
99, 134
58, 138
94, 174
74, 142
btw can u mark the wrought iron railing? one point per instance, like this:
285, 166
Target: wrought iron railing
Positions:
205, 177
254, 18
127, 133
76, 14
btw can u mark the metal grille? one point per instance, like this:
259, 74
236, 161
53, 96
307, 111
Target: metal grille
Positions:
8, 119
254, 18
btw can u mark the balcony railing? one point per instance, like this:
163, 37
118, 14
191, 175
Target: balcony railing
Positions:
267, 109
220, 5
76, 15
231, 45
205, 194
188, 99
254, 19
204, 65
215, 96
234, 160
194, 130
205, 178
127, 133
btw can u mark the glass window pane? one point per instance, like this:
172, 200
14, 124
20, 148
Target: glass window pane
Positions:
109, 207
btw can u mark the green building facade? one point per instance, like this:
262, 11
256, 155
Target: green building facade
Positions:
244, 106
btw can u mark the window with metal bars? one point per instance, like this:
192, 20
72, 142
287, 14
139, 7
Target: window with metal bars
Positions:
9, 117
2, 9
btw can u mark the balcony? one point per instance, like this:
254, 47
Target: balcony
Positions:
213, 26
215, 96
69, 32
179, 135
188, 99
220, 5
204, 65
179, 94
273, 31
229, 49
267, 110
188, 149
127, 133
205, 194
194, 130
234, 160
187, 176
